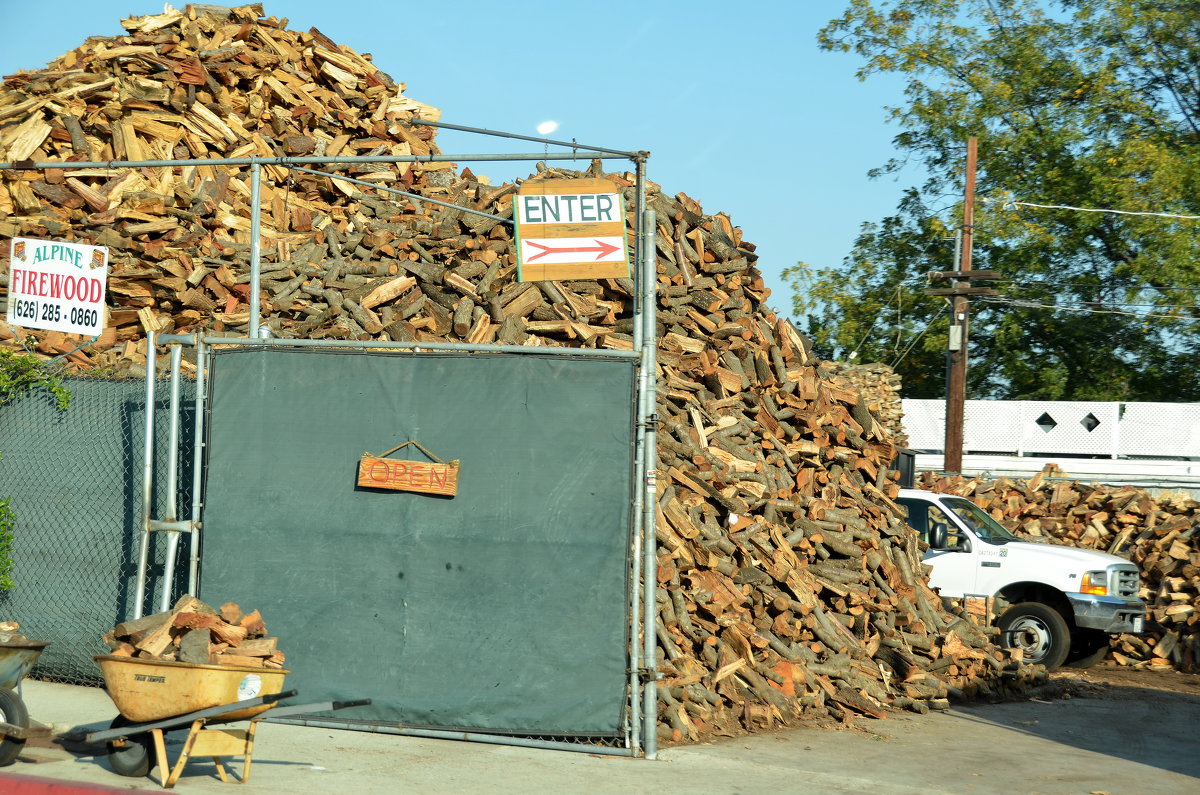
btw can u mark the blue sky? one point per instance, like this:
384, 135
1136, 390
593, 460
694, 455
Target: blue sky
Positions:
734, 101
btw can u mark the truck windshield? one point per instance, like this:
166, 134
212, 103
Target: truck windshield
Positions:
980, 522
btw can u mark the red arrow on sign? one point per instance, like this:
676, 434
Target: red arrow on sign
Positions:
601, 248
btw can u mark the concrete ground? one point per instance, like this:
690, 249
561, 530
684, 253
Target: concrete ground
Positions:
1126, 741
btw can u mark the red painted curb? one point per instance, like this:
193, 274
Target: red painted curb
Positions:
15, 784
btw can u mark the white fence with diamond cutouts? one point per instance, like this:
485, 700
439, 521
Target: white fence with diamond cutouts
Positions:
1073, 428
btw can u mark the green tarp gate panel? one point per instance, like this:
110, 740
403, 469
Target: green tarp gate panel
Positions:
501, 609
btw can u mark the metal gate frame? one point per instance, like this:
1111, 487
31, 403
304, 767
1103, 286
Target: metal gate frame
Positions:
175, 527
641, 735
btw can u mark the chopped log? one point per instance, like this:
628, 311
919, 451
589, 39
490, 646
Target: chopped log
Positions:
193, 647
194, 632
231, 613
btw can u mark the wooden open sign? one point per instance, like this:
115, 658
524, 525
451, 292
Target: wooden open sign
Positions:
379, 472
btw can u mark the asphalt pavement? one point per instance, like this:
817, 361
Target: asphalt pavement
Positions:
1040, 746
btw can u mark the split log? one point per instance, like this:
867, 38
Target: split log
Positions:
195, 632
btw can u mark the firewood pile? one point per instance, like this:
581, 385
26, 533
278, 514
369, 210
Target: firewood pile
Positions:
880, 387
789, 586
1157, 532
213, 82
789, 583
194, 632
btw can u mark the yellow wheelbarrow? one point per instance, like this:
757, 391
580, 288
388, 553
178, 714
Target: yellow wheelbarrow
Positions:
16, 658
153, 696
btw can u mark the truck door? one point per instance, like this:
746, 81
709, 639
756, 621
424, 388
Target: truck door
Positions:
954, 568
992, 543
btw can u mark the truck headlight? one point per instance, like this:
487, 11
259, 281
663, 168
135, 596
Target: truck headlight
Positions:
1095, 583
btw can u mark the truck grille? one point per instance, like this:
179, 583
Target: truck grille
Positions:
1124, 581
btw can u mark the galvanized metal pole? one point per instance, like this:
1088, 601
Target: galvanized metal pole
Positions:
197, 469
649, 417
255, 246
639, 469
302, 160
528, 350
638, 272
548, 141
473, 737
147, 479
172, 482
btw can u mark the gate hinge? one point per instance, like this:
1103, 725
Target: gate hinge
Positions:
651, 423
647, 674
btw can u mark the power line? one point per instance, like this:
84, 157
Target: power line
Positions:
928, 323
1036, 305
1131, 304
1079, 286
874, 323
1008, 203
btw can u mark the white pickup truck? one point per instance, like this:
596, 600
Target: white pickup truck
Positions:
1057, 604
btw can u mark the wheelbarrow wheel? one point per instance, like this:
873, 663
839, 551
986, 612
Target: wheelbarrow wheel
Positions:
135, 757
12, 710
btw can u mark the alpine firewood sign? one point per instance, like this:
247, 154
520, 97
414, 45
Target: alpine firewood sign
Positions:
570, 229
57, 286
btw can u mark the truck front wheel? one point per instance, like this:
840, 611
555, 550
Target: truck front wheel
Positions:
1038, 631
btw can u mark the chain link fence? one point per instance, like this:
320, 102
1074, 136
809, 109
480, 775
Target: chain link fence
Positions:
74, 480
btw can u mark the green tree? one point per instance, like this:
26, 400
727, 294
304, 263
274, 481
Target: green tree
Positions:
1090, 104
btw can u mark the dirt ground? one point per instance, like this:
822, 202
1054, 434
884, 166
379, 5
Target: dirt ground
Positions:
1120, 683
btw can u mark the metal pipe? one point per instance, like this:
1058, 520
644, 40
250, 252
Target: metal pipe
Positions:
639, 209
649, 376
549, 141
639, 472
494, 739
173, 437
197, 470
416, 196
277, 342
255, 246
147, 479
298, 160
172, 482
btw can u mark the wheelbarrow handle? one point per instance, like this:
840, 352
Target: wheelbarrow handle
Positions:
181, 720
304, 709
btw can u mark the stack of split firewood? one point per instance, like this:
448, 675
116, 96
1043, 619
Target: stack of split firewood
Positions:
194, 632
1157, 532
880, 387
789, 584
213, 82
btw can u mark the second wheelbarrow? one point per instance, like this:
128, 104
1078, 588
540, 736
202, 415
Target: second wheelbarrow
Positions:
16, 658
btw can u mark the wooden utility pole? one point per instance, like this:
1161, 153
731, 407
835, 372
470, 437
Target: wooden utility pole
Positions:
956, 376
959, 292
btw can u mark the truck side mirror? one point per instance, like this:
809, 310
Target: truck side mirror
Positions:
938, 535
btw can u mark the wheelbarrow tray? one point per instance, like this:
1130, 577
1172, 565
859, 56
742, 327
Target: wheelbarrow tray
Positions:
148, 690
16, 658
